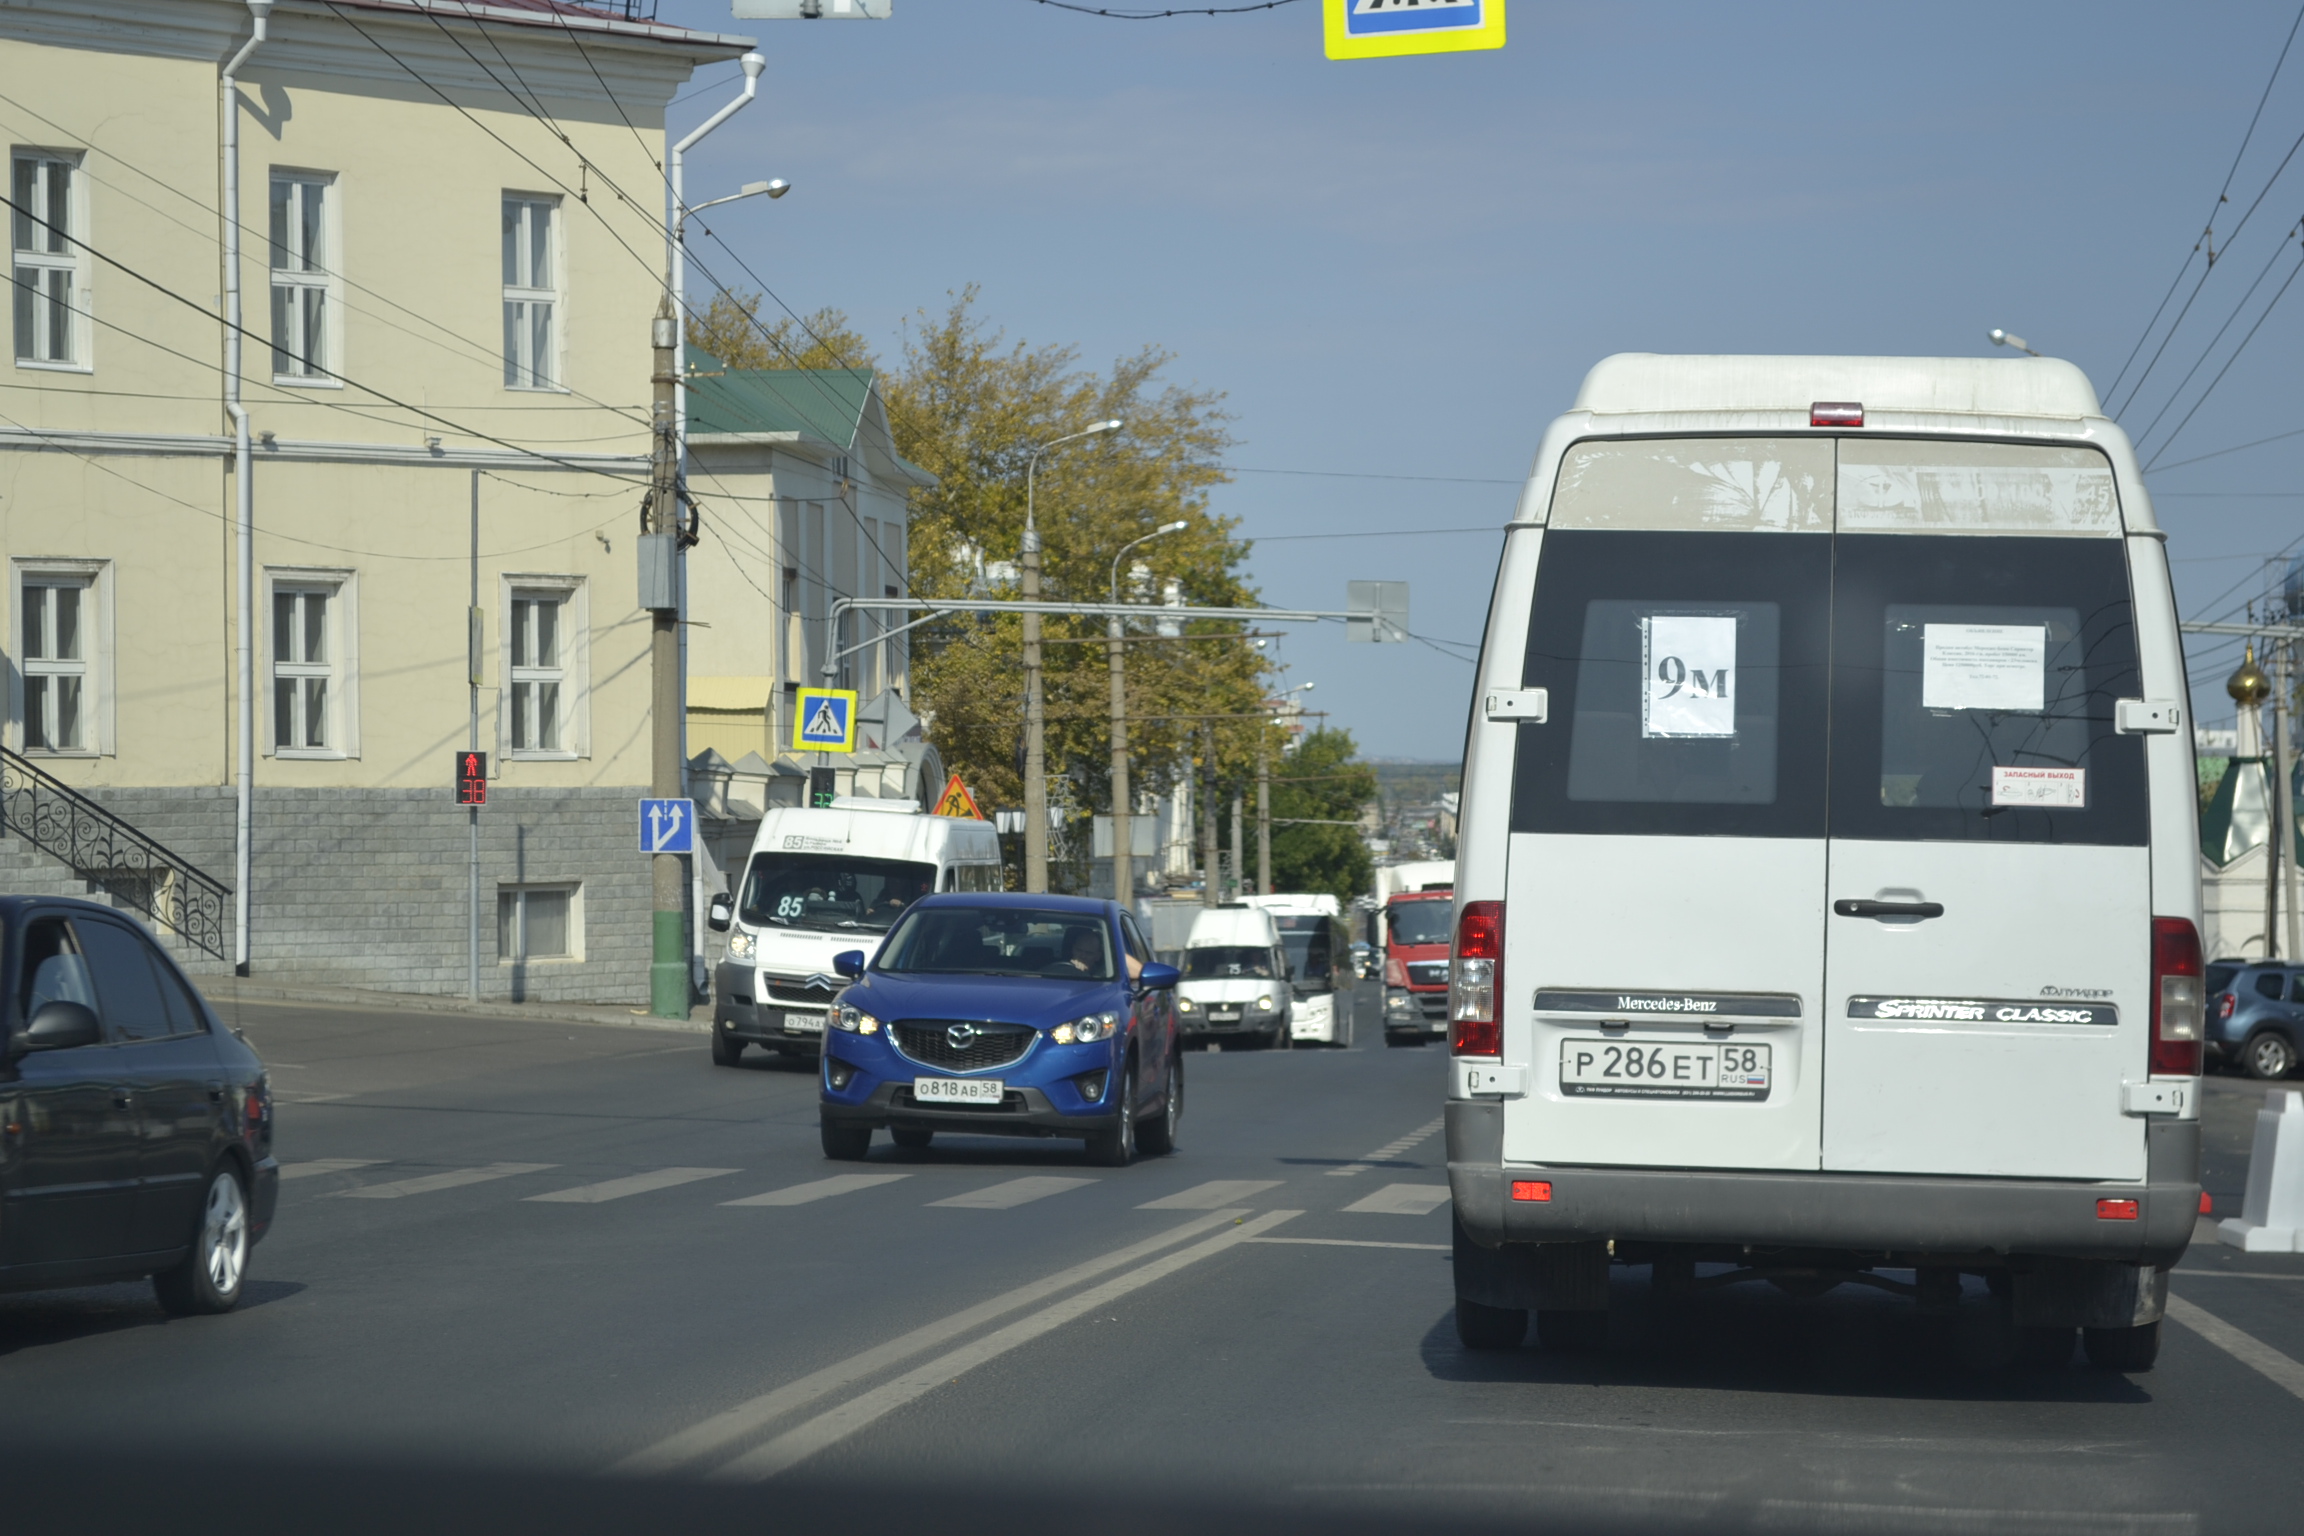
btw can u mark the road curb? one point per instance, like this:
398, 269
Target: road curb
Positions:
225, 991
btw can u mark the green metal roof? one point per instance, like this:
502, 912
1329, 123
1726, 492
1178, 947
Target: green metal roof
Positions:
824, 405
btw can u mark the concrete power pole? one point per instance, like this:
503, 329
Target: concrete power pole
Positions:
2283, 677
668, 980
1035, 721
1123, 803
1239, 849
1263, 817
1210, 876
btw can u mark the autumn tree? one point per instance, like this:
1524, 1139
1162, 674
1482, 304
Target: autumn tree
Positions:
1322, 783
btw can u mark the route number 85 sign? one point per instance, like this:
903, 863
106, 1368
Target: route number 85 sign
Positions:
1688, 666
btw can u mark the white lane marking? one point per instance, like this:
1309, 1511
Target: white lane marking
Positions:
320, 1165
2243, 1347
1211, 1195
2231, 1274
1822, 1515
292, 1097
633, 1184
1353, 1242
1402, 1200
820, 1189
1388, 1151
726, 1428
1015, 1192
454, 1178
829, 1428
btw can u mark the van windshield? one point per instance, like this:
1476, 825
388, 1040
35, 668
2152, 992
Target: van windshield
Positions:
1419, 922
830, 893
1000, 941
1214, 960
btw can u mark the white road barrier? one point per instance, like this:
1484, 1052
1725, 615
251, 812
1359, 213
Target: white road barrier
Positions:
2272, 1215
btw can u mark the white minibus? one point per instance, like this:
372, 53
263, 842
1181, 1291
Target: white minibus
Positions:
1827, 901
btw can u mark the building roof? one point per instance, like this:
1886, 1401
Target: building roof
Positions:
834, 408
1984, 386
606, 19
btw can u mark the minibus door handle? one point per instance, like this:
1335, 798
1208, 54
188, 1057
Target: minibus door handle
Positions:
1854, 908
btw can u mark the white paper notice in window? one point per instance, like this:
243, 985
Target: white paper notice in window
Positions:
1689, 661
2049, 789
1984, 666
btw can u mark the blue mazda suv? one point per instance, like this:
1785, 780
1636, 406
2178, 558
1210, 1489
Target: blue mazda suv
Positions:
1006, 1014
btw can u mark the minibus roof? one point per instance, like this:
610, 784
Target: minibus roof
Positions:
1644, 382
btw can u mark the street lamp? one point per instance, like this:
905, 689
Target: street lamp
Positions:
1035, 740
1123, 801
2001, 338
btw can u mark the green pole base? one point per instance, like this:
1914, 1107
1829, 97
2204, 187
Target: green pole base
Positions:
668, 989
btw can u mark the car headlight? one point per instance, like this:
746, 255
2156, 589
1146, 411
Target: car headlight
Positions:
741, 945
1185, 1005
1097, 1026
1264, 1005
854, 1020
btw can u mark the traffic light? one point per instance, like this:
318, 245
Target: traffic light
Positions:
471, 778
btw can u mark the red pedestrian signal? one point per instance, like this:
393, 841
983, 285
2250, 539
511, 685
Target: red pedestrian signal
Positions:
471, 778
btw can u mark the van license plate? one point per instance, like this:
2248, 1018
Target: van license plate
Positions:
803, 1023
957, 1090
1630, 1069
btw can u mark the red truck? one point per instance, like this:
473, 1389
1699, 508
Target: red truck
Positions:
1416, 939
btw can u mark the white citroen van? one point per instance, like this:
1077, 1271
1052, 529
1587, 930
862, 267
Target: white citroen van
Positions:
821, 880
1235, 989
1826, 897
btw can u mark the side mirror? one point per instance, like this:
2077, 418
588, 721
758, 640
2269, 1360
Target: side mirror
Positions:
58, 1026
1156, 977
720, 914
849, 963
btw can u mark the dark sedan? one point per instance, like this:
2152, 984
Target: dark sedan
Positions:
135, 1129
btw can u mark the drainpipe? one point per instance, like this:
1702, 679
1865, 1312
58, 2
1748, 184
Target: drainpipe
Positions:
676, 275
244, 512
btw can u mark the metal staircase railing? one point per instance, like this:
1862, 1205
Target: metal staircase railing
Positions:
100, 847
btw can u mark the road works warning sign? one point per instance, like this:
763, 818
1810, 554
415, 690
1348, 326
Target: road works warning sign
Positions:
957, 801
1375, 29
826, 722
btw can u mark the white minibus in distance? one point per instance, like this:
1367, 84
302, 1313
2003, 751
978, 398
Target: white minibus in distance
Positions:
1827, 895
820, 880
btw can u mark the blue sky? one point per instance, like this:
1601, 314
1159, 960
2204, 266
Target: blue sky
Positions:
1404, 267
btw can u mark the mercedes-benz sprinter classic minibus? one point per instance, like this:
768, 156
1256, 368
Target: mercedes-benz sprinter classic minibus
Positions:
1826, 889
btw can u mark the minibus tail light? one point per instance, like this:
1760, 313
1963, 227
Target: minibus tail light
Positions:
1836, 413
1476, 981
2179, 999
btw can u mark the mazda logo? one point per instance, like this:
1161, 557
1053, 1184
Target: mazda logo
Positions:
960, 1036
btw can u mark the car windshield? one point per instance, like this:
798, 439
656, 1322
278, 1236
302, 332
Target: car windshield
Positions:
1000, 941
1419, 922
831, 893
1210, 960
2220, 977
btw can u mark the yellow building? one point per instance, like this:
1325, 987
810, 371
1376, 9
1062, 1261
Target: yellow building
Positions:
450, 221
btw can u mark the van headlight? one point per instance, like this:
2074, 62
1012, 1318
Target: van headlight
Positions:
1097, 1026
1186, 1005
1264, 1005
854, 1020
741, 945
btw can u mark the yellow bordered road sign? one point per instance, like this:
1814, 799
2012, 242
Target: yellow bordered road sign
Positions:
1377, 29
826, 721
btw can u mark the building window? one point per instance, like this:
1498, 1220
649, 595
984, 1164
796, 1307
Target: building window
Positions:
539, 672
303, 348
50, 270
531, 293
538, 922
58, 691
313, 660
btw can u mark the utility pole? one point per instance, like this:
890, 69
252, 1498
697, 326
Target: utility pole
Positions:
2282, 674
1239, 851
1263, 815
472, 742
1210, 877
668, 980
1123, 802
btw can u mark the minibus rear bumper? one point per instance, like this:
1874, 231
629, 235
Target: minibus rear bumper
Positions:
1881, 1217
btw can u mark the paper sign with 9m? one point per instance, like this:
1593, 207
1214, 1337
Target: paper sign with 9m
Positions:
1688, 667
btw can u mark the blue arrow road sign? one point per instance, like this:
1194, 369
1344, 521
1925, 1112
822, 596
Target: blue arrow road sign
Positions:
667, 826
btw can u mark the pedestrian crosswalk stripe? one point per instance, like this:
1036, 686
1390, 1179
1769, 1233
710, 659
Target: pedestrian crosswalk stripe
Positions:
633, 1184
454, 1178
1403, 1200
820, 1189
1015, 1192
1388, 1151
320, 1165
1211, 1195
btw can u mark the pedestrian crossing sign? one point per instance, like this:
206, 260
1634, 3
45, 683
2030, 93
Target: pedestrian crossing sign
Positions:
826, 722
1375, 29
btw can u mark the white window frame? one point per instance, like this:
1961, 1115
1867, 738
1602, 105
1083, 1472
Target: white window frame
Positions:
520, 891
308, 281
521, 366
72, 261
97, 650
575, 669
341, 669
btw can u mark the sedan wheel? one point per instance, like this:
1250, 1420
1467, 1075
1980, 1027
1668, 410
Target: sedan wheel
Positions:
2270, 1056
209, 1278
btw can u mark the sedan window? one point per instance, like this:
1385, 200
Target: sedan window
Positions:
2296, 988
132, 1007
54, 970
999, 941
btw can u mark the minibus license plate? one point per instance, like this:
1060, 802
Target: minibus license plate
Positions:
957, 1090
1632, 1069
803, 1023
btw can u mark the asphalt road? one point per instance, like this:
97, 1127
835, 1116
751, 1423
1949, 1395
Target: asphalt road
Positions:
536, 1274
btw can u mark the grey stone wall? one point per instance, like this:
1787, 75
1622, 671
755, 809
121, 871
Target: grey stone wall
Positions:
367, 887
